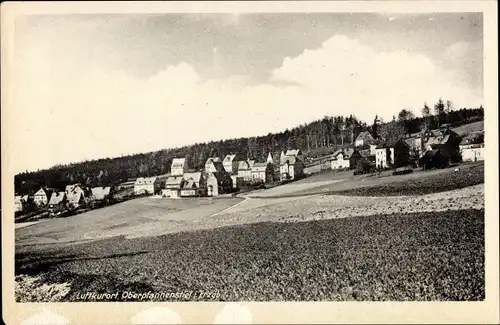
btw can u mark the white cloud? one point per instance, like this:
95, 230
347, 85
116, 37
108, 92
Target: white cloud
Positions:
68, 112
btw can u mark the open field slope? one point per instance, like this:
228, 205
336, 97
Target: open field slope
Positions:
420, 256
386, 184
139, 217
468, 128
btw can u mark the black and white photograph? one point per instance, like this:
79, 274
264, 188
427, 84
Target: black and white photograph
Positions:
249, 157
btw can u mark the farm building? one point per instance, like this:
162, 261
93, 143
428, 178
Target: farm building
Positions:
231, 163
41, 197
124, 189
415, 144
147, 185
345, 158
263, 172
291, 165
58, 201
18, 204
245, 170
75, 195
472, 146
179, 167
436, 158
101, 194
363, 138
194, 184
213, 165
218, 183
392, 154
443, 138
173, 187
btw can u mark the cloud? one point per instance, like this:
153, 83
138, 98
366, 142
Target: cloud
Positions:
69, 112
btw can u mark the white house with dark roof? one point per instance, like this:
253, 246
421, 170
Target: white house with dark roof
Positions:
147, 185
291, 165
213, 165
58, 201
100, 193
231, 162
263, 172
173, 187
75, 195
179, 167
41, 197
363, 138
472, 146
345, 158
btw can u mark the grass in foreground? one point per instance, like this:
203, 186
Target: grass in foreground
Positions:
447, 181
425, 256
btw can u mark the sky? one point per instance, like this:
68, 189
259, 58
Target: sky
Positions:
96, 86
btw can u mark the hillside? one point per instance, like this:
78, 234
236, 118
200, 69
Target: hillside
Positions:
316, 139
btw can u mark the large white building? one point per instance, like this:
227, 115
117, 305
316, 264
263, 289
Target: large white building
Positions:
179, 167
472, 147
146, 185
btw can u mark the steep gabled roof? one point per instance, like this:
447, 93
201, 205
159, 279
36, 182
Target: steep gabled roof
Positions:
260, 167
100, 193
346, 153
42, 191
196, 176
57, 197
212, 160
174, 180
293, 152
243, 165
364, 135
178, 162
229, 158
189, 184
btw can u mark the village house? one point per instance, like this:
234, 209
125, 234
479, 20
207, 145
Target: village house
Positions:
392, 154
231, 163
363, 138
173, 187
124, 189
18, 204
443, 138
101, 195
291, 165
41, 197
75, 196
263, 172
345, 158
218, 183
57, 202
472, 146
194, 184
213, 165
415, 144
147, 185
435, 158
179, 167
245, 170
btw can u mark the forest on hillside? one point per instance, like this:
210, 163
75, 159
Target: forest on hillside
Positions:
316, 138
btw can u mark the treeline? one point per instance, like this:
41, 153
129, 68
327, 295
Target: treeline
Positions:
326, 133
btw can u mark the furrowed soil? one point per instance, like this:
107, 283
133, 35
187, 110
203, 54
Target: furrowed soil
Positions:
418, 256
